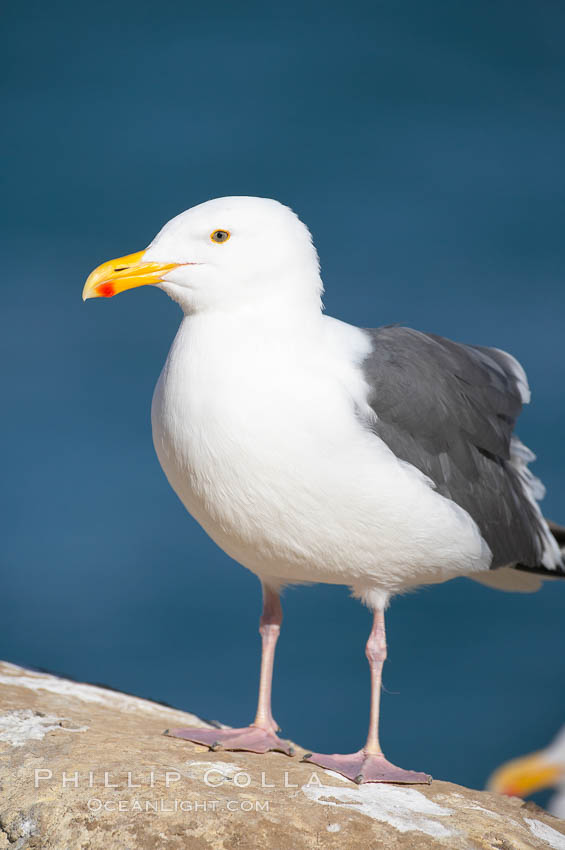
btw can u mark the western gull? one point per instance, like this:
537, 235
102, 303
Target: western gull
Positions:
311, 450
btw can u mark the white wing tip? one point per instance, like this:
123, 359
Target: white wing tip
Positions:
520, 375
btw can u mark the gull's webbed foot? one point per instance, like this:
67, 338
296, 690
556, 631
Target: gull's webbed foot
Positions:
363, 767
251, 739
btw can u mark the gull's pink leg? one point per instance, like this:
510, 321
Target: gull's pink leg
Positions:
369, 764
260, 736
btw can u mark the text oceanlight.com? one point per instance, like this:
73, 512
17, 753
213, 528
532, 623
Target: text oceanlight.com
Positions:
168, 806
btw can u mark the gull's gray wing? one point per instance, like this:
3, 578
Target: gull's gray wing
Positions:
449, 410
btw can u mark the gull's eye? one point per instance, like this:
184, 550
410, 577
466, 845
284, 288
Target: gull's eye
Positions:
220, 235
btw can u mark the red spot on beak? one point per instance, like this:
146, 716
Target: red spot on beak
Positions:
106, 290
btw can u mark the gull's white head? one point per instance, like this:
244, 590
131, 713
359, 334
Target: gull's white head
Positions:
225, 254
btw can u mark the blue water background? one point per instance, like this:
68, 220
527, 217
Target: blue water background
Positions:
423, 144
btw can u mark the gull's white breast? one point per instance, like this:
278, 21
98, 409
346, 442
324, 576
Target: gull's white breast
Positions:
259, 432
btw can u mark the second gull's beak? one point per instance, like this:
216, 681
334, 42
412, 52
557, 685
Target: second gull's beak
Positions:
521, 777
124, 273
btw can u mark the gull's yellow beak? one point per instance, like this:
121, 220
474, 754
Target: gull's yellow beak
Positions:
121, 274
523, 776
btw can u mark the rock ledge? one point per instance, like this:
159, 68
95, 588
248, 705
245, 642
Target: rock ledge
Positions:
86, 768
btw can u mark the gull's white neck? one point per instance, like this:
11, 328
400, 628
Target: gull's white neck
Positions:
236, 360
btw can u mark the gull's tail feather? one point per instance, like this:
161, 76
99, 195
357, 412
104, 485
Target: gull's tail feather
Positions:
522, 579
558, 534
